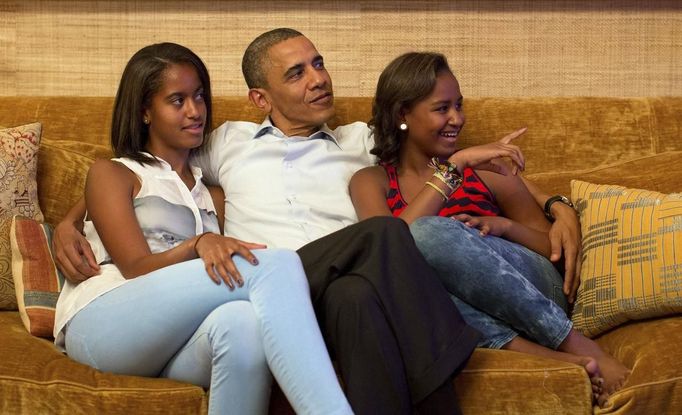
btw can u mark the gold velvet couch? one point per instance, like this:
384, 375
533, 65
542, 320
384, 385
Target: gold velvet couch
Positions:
635, 142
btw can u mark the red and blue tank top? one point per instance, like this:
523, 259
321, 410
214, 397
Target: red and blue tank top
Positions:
473, 197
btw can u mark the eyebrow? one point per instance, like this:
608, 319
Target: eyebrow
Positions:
176, 94
293, 69
300, 66
447, 101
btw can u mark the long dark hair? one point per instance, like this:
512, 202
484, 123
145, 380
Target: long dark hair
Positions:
408, 79
141, 79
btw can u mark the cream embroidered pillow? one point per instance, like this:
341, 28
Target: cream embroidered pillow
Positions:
18, 195
632, 255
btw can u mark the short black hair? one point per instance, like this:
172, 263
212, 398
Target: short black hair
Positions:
257, 51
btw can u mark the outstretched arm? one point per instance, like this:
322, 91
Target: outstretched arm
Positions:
565, 237
72, 252
368, 187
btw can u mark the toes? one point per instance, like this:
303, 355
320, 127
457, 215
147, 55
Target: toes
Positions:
596, 389
603, 399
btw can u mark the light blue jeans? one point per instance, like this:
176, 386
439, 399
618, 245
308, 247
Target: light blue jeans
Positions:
501, 288
176, 322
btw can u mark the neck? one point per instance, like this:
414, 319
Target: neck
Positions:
294, 130
178, 160
414, 160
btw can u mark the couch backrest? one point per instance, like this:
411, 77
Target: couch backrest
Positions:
564, 134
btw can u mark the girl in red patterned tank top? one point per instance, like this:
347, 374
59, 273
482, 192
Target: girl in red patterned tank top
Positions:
417, 118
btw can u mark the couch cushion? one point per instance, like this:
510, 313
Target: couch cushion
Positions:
504, 382
72, 159
632, 256
652, 350
35, 379
659, 172
18, 194
36, 279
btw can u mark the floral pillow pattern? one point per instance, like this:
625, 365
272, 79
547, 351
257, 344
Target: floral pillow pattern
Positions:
18, 195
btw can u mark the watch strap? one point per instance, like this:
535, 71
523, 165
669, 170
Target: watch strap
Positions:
557, 198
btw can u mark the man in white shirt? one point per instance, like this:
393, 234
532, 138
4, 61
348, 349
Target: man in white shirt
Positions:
382, 310
387, 320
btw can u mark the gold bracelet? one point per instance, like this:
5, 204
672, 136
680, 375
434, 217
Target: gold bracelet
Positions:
438, 189
451, 184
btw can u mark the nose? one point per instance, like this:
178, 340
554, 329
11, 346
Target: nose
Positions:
192, 109
456, 117
317, 79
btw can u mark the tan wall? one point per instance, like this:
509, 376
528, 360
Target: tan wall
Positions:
498, 48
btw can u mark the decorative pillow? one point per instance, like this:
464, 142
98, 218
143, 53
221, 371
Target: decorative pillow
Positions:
18, 194
632, 255
36, 279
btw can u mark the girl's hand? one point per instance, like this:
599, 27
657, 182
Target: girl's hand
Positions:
484, 157
217, 251
486, 225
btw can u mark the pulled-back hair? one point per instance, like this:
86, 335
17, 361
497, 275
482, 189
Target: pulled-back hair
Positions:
256, 53
142, 78
408, 79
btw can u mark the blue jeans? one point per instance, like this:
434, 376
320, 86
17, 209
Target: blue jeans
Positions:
176, 322
501, 288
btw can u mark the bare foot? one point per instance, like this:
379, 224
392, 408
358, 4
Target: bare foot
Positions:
613, 371
590, 364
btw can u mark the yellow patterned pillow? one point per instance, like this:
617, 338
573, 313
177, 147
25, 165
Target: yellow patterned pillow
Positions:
632, 255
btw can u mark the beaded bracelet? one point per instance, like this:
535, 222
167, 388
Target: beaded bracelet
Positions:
446, 172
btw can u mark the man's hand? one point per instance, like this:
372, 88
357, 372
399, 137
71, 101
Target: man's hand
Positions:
565, 236
72, 253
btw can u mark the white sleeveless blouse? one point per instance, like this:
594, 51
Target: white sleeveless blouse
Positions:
168, 213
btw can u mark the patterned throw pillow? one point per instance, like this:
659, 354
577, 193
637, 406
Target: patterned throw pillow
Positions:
632, 255
18, 195
36, 279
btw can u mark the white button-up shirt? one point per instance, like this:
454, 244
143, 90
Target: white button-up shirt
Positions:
285, 191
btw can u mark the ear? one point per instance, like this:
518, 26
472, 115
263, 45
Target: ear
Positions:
146, 115
259, 97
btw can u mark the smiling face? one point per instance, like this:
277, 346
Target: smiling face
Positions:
298, 96
177, 113
434, 123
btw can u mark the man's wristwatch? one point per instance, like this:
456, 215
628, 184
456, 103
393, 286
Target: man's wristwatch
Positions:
548, 205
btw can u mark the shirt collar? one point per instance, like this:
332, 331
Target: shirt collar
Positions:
267, 127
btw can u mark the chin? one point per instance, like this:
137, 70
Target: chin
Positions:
324, 116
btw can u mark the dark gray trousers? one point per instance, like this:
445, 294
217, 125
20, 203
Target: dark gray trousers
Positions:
387, 319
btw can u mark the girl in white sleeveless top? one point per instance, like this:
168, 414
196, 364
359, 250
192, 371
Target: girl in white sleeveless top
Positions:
171, 300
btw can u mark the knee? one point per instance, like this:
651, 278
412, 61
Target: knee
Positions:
434, 231
280, 262
424, 228
387, 228
350, 294
277, 258
384, 224
235, 337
